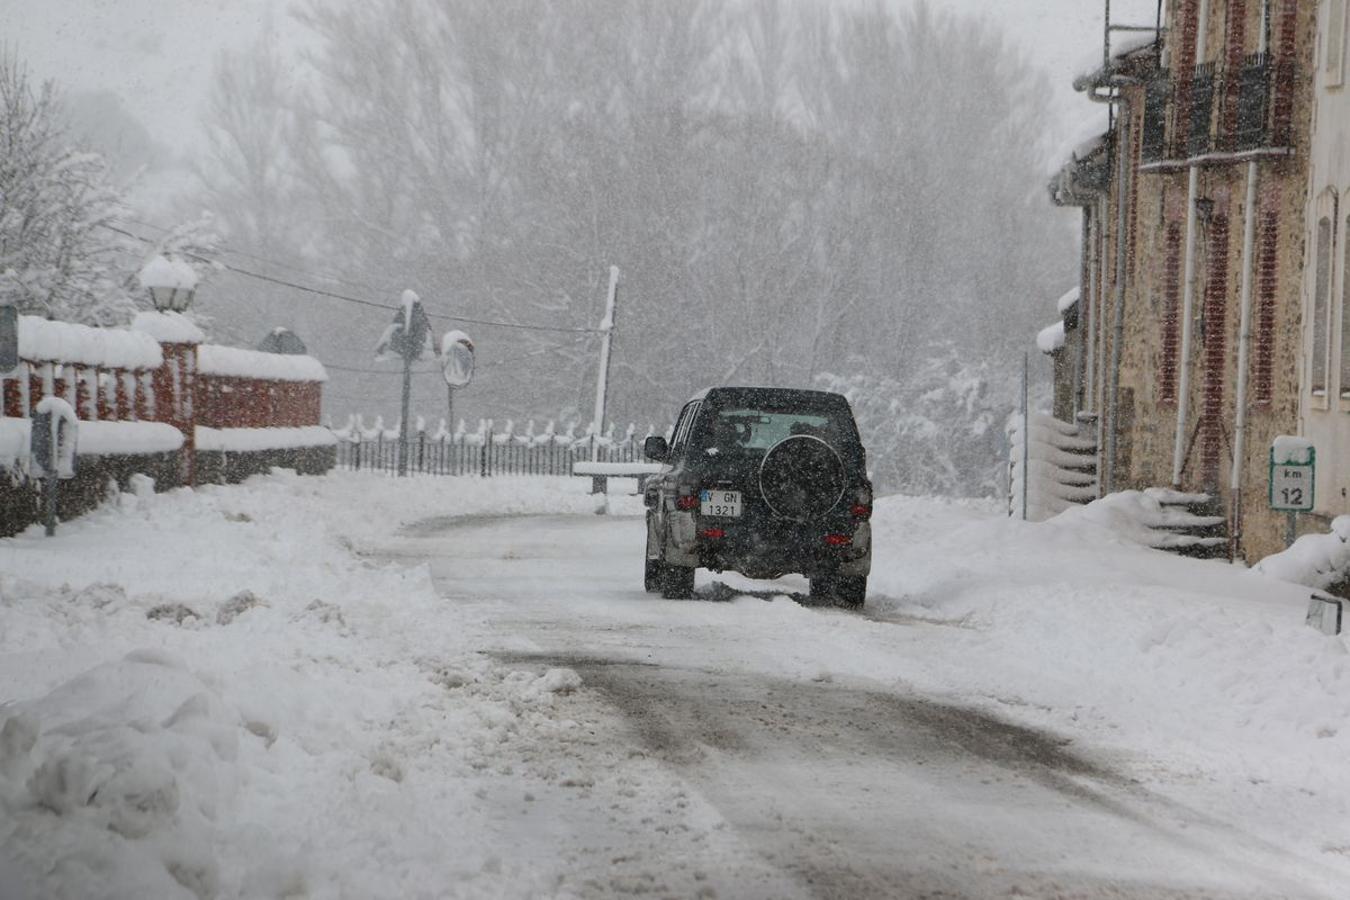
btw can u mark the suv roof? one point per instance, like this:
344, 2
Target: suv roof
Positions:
737, 392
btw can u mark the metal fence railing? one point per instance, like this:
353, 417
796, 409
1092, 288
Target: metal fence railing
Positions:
484, 453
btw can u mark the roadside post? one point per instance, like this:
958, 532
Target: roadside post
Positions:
51, 451
602, 377
408, 336
456, 368
1293, 480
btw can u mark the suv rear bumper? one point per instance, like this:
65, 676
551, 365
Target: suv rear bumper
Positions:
766, 550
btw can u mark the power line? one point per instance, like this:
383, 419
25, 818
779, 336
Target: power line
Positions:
263, 259
238, 270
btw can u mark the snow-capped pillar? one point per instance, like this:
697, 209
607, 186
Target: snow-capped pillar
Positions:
174, 383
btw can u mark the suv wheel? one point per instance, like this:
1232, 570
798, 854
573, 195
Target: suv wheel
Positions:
677, 582
653, 576
843, 590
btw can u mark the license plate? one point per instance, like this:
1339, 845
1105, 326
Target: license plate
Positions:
720, 503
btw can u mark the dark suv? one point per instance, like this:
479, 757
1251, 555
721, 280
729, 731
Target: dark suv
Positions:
761, 481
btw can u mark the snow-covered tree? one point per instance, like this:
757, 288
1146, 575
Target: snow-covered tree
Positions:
937, 431
58, 257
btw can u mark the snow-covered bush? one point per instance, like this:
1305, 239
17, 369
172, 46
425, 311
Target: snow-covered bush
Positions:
935, 432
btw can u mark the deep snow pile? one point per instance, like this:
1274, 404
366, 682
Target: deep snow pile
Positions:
1315, 560
213, 693
1199, 672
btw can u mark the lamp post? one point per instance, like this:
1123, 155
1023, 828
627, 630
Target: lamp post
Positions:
172, 283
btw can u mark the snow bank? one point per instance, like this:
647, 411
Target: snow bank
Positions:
1316, 561
168, 327
233, 362
1190, 676
230, 692
41, 340
243, 440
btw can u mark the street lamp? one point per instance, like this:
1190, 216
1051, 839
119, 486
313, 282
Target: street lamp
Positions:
171, 283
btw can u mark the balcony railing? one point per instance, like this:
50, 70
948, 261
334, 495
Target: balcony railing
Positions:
1200, 135
1157, 97
1218, 116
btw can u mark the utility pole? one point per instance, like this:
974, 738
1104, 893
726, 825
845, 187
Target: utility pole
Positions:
602, 378
403, 418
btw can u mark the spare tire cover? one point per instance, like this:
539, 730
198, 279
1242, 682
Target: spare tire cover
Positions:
801, 477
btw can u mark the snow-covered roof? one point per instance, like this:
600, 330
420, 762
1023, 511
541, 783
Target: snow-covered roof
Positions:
1080, 140
232, 362
1125, 45
1068, 301
41, 340
168, 327
1051, 337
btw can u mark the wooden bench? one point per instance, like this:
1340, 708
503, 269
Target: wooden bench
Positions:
601, 472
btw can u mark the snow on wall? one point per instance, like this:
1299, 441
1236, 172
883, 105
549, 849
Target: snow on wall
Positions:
41, 340
168, 327
232, 362
245, 440
95, 439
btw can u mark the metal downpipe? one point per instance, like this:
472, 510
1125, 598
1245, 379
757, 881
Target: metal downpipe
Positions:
1118, 314
1245, 329
1188, 279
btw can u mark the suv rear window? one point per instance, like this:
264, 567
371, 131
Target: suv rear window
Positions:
756, 429
753, 420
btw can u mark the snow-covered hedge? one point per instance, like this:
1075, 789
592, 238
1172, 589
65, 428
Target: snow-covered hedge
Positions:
41, 340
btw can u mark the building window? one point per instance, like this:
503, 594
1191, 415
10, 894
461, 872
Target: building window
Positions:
1333, 62
1321, 292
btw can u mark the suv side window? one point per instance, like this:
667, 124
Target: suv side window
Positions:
684, 427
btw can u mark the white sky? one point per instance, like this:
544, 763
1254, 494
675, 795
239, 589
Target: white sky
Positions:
157, 54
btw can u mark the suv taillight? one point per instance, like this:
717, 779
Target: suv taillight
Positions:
862, 504
686, 502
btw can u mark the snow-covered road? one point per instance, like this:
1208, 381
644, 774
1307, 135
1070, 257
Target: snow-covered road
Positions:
731, 752
356, 686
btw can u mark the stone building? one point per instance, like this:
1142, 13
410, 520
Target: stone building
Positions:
1324, 398
1189, 322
